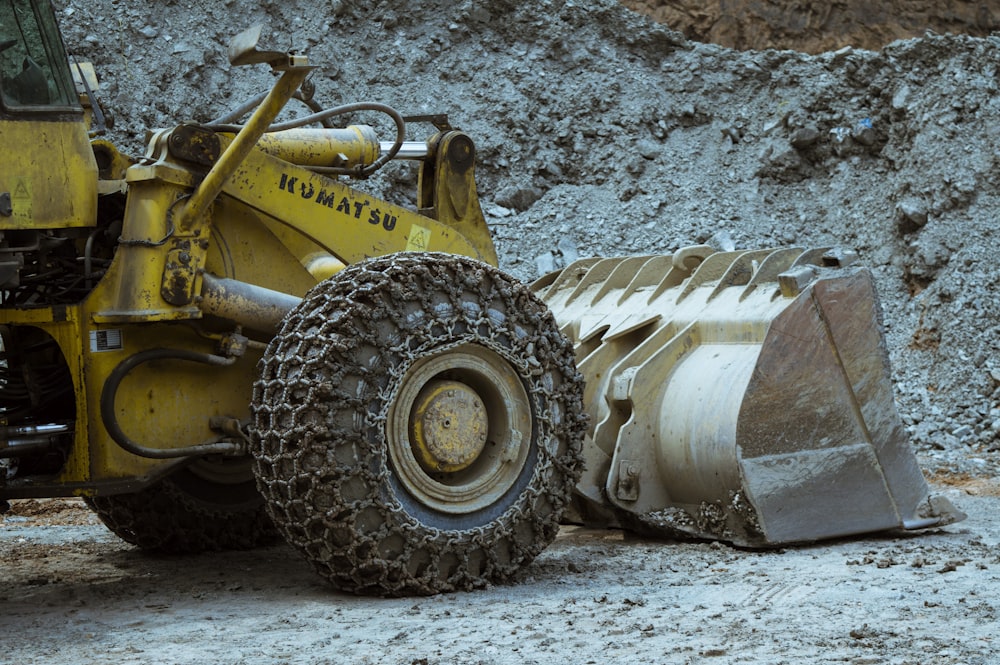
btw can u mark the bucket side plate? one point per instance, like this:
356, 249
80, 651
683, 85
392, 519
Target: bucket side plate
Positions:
741, 396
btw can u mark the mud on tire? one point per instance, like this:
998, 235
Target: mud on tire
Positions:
338, 459
184, 513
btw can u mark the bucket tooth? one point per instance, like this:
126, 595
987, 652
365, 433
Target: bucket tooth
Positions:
746, 397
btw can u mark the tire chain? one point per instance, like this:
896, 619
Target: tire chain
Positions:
320, 408
165, 518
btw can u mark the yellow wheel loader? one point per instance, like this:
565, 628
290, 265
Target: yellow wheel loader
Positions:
222, 342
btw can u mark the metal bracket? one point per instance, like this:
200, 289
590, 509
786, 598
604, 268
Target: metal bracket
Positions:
439, 120
243, 51
628, 481
194, 144
179, 274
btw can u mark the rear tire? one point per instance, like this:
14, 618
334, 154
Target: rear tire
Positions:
380, 496
188, 512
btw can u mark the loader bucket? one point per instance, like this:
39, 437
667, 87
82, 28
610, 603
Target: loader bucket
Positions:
739, 396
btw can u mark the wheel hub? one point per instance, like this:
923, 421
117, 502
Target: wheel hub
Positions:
448, 426
459, 429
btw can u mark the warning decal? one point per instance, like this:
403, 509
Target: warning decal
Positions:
20, 197
22, 190
419, 240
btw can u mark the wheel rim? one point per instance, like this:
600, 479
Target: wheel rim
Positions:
459, 430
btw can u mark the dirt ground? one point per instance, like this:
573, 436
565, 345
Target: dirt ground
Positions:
814, 27
73, 593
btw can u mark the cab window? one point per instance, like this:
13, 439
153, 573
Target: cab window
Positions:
34, 71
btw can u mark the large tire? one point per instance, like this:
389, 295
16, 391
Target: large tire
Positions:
381, 497
195, 509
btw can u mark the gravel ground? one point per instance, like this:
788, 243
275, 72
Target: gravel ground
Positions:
73, 593
600, 133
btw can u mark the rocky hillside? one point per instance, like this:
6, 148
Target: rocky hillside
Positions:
603, 132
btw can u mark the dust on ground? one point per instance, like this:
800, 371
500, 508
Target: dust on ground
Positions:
73, 593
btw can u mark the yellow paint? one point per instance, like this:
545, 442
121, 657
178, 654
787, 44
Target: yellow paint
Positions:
419, 240
348, 147
449, 427
350, 224
21, 189
44, 197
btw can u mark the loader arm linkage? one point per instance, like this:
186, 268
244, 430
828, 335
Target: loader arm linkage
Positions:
224, 230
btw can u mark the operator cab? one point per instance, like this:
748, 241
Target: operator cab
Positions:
50, 179
34, 69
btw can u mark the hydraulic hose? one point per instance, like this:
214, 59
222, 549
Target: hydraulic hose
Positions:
110, 391
251, 104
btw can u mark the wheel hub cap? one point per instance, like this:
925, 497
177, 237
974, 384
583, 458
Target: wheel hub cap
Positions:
449, 425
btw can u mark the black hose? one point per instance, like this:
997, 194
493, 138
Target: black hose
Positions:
250, 104
110, 391
239, 111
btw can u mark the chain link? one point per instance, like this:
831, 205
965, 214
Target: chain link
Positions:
322, 401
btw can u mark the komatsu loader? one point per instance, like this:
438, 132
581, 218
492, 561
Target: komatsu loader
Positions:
223, 342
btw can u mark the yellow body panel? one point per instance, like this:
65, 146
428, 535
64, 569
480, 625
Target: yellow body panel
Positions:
161, 404
130, 291
247, 247
43, 197
348, 223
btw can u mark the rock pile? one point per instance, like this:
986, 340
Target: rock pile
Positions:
600, 132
